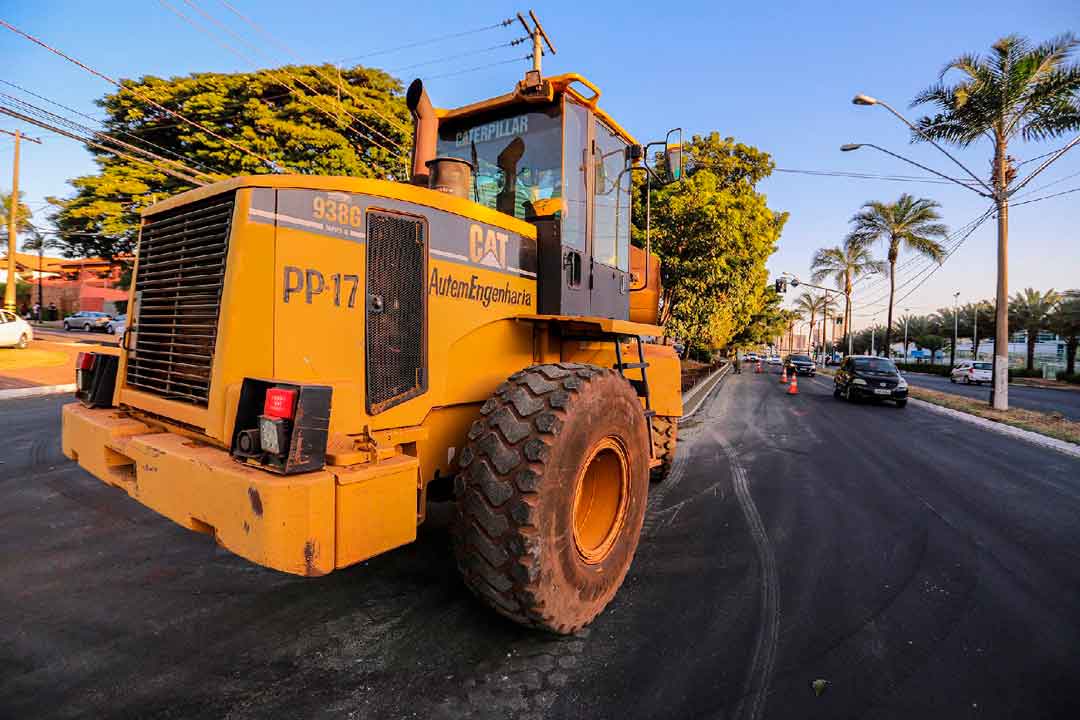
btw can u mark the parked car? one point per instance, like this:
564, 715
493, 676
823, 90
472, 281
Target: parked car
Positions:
801, 365
87, 320
866, 376
750, 357
117, 325
14, 331
969, 372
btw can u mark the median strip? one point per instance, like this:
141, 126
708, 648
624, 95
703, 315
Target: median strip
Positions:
1051, 430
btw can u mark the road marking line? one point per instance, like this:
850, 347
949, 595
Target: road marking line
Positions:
760, 671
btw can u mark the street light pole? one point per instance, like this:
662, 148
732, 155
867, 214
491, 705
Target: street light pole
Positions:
975, 333
955, 327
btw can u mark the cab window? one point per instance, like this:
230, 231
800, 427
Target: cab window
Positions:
611, 199
516, 156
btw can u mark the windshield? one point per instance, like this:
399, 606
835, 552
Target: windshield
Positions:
983, 366
516, 154
801, 358
877, 365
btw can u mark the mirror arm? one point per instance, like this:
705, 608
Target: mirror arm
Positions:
649, 175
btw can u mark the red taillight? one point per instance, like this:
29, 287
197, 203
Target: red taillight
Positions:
85, 361
280, 403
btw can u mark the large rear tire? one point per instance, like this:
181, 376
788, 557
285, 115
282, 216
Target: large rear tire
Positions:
665, 436
551, 495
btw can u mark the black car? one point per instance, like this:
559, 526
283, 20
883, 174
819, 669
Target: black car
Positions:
801, 364
866, 376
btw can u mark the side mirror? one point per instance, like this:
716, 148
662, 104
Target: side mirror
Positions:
673, 154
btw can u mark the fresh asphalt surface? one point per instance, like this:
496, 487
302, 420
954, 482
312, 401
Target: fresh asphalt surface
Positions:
923, 567
1066, 402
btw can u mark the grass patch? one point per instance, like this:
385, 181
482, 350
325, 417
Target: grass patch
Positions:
1051, 424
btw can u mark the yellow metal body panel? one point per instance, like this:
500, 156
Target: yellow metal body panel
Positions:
359, 186
286, 523
376, 508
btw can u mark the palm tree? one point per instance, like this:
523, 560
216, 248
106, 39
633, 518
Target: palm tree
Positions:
1030, 311
1018, 90
911, 223
808, 305
1065, 321
845, 264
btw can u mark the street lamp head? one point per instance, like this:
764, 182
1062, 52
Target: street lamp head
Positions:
861, 99
848, 147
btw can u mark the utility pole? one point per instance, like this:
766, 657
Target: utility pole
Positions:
9, 290
539, 39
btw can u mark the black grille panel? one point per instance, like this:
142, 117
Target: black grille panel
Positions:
396, 313
178, 290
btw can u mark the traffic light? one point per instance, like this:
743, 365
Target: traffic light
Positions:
781, 285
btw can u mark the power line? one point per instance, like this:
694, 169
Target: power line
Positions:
285, 73
933, 268
122, 132
78, 128
270, 36
270, 163
65, 133
458, 56
865, 176
1047, 197
1049, 184
912, 260
429, 41
479, 67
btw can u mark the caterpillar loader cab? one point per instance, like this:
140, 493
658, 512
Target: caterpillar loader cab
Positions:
308, 356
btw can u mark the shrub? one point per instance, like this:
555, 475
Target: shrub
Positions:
1074, 378
1025, 373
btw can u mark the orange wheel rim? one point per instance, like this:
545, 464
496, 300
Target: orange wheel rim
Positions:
601, 499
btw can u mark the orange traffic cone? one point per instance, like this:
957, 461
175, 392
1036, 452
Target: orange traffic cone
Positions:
783, 374
793, 388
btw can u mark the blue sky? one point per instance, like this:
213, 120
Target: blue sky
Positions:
778, 75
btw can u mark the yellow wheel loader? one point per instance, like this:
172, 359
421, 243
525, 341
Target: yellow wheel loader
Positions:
308, 356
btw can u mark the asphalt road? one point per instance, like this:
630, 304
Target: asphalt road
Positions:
1066, 402
923, 568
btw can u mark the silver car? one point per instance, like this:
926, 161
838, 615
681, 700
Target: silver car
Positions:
968, 372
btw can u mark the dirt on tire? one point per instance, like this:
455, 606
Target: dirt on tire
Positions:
514, 534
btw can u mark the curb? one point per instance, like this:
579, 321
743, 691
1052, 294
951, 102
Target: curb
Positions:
37, 391
1032, 437
714, 379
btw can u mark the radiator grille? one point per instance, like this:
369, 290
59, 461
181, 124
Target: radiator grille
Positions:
396, 317
178, 290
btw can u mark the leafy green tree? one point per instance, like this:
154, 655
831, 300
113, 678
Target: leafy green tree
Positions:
1030, 311
909, 223
295, 119
713, 232
845, 264
1065, 321
910, 327
768, 323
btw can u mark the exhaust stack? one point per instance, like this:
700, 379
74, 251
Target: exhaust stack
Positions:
425, 132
